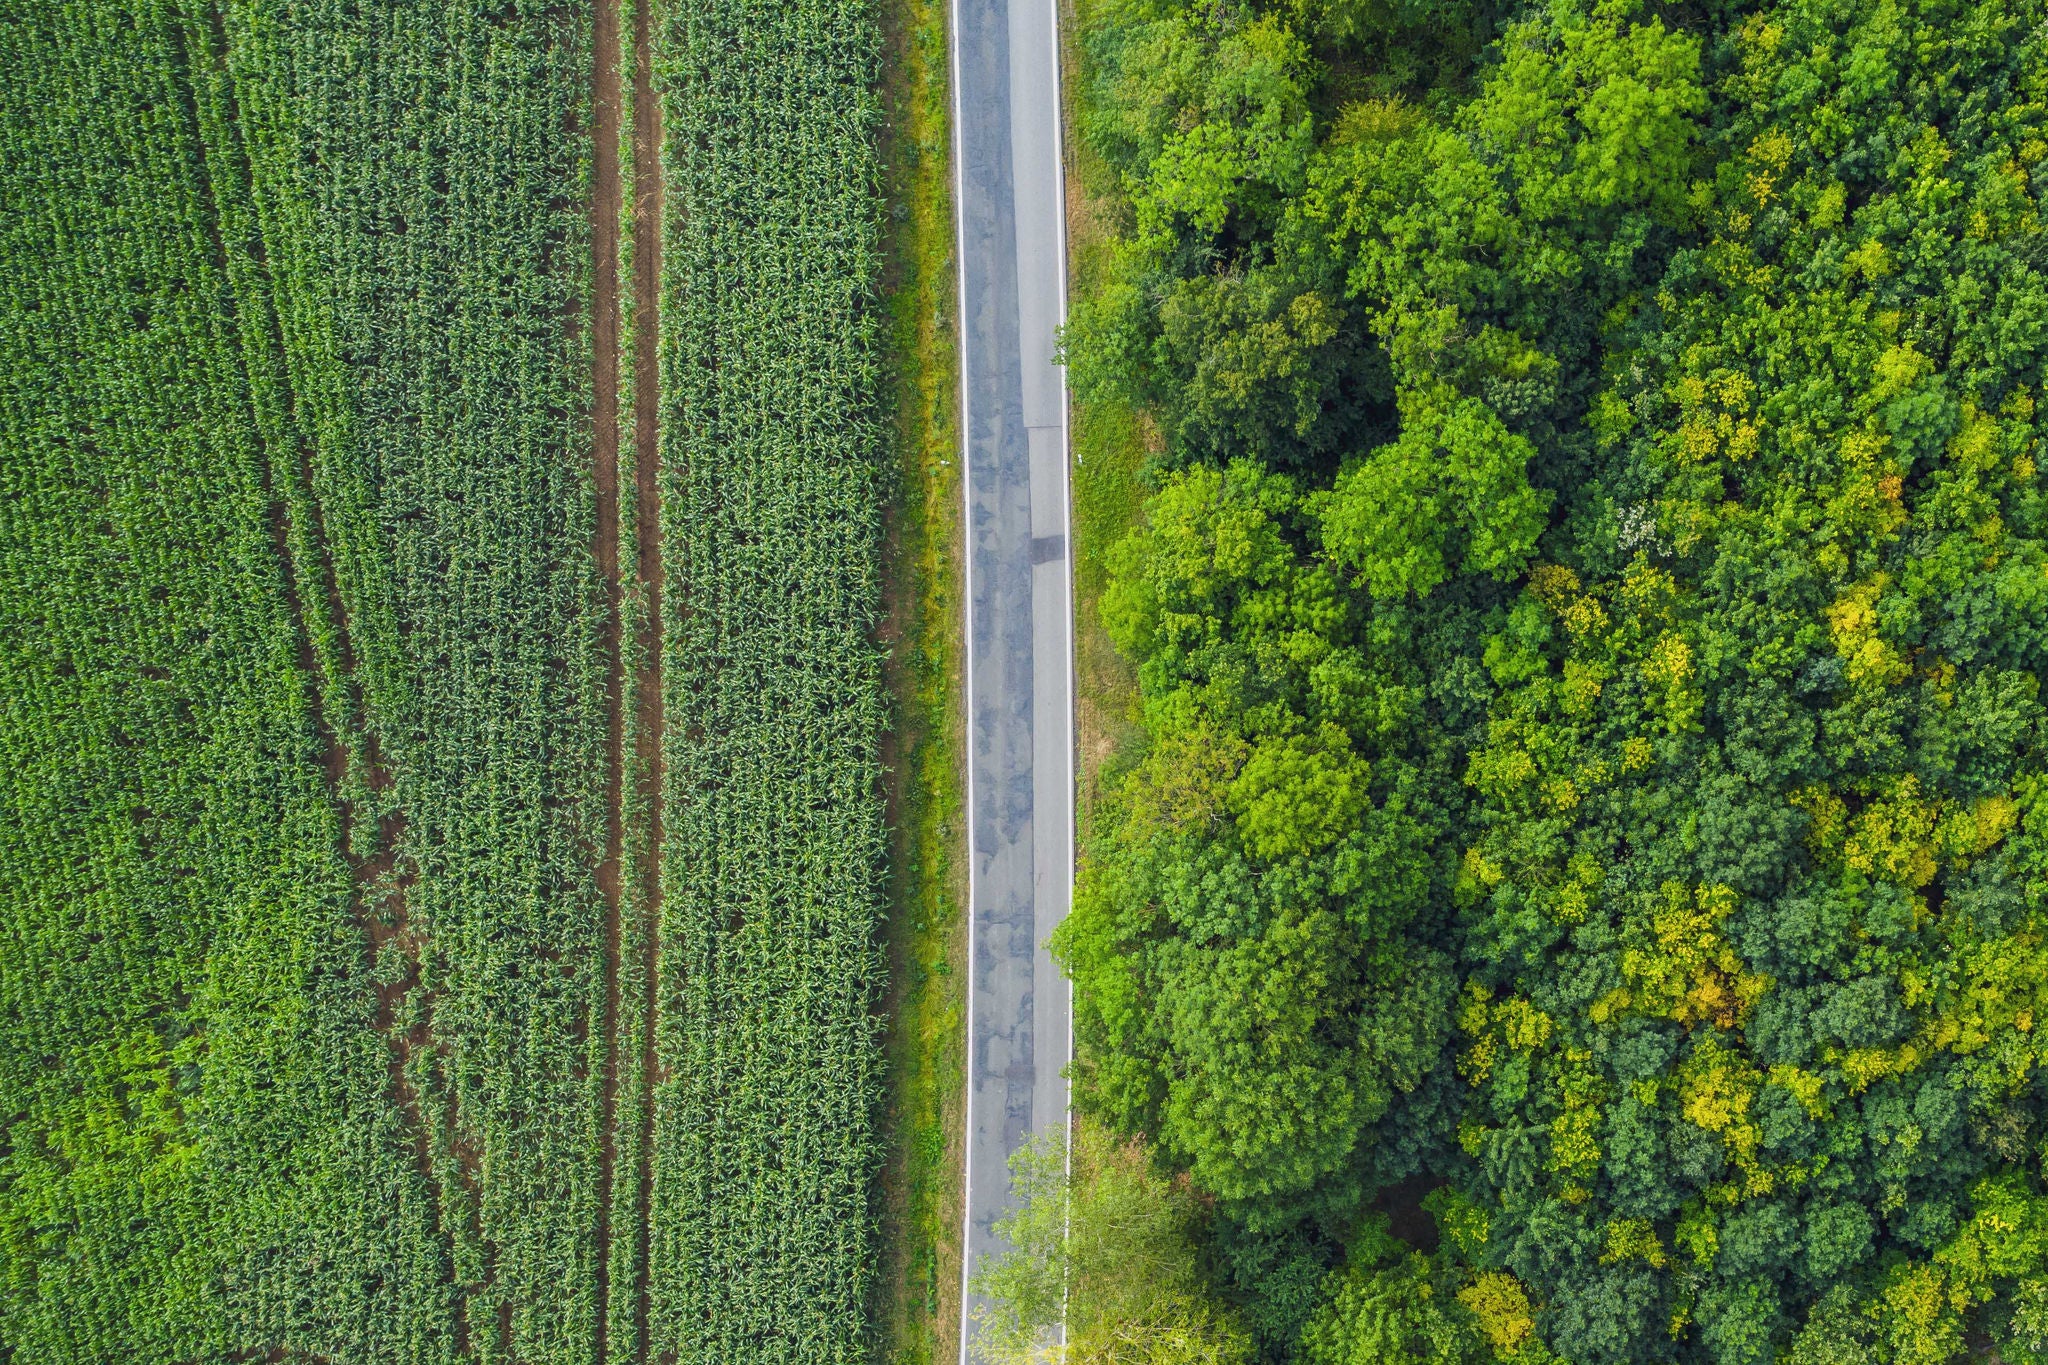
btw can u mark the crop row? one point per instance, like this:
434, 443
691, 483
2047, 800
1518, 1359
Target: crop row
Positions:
450, 247
764, 1144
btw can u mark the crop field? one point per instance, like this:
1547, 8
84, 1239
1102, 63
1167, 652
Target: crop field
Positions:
440, 841
766, 1052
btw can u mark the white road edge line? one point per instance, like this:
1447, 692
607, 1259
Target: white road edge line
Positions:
1059, 181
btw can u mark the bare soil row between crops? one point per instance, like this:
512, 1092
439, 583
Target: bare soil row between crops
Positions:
634, 762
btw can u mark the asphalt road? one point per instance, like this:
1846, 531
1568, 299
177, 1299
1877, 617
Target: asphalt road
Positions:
1012, 250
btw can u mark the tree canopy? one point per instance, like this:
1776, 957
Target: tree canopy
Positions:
1589, 624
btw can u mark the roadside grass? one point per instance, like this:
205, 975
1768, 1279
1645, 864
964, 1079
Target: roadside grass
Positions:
1112, 444
917, 1308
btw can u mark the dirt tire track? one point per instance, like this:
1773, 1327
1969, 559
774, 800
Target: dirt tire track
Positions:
352, 765
350, 760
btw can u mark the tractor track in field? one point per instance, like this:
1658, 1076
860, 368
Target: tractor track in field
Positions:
319, 617
626, 421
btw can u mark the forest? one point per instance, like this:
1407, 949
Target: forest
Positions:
1579, 891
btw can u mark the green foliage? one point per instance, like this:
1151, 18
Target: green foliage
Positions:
1258, 870
1450, 477
1391, 1306
1207, 117
1758, 786
1112, 1253
1665, 611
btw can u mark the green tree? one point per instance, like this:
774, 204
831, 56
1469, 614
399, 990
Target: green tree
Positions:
1392, 1306
1597, 591
1113, 1251
1243, 928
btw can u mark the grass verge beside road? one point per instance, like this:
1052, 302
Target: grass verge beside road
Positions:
918, 1289
1110, 441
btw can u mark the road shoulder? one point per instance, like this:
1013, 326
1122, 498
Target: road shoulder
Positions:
917, 1312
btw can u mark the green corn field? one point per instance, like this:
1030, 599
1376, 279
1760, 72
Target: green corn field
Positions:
766, 1042
440, 859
